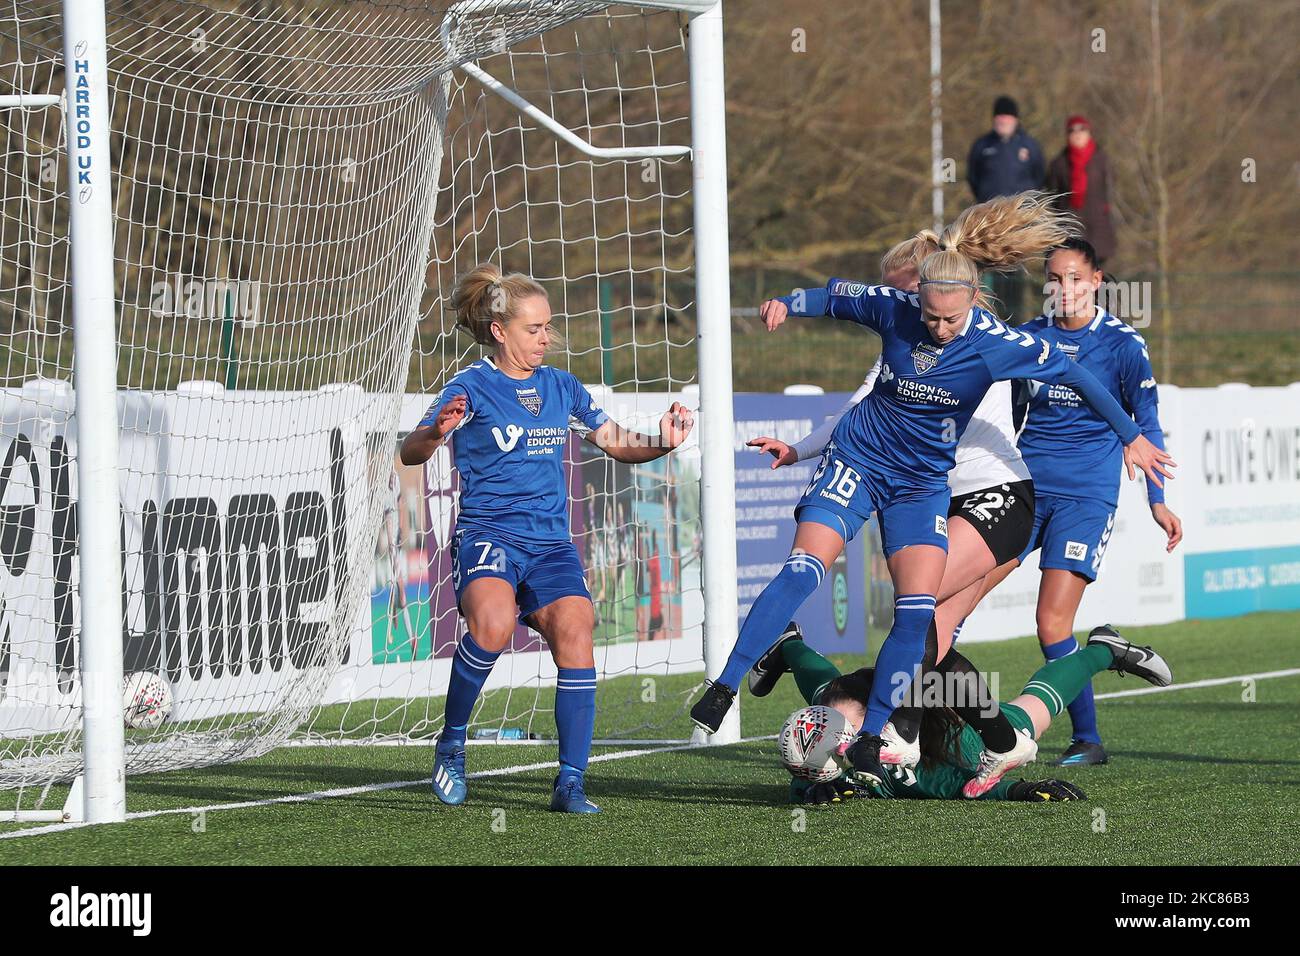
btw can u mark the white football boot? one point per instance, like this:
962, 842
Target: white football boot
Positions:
897, 752
993, 766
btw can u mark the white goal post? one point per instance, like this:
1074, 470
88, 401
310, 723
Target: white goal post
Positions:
322, 180
90, 227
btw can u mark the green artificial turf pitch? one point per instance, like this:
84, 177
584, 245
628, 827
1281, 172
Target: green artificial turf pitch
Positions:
1205, 775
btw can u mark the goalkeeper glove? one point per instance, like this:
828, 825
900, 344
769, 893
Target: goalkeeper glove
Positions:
1045, 791
834, 791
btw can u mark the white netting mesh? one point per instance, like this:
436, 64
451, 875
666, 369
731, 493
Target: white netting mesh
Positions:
611, 241
285, 228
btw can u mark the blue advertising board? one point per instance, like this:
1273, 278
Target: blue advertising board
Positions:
834, 617
1227, 583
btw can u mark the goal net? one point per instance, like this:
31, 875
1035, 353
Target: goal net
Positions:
610, 239
296, 187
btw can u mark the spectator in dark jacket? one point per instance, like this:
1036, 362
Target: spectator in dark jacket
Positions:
1082, 176
1006, 160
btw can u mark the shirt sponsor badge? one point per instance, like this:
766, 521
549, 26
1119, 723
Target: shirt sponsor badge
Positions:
530, 399
924, 357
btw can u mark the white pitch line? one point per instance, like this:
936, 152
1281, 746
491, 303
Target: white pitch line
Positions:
1211, 682
524, 768
354, 791
433, 742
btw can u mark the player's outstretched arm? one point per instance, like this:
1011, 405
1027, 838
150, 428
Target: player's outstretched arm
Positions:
1139, 451
872, 306
633, 448
774, 312
1013, 354
1169, 523
1137, 382
815, 442
782, 454
1145, 414
1141, 454
419, 446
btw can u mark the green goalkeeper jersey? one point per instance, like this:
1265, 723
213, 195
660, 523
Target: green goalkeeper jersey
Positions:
945, 781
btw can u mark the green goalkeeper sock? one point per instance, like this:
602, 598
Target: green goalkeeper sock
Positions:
1058, 682
811, 671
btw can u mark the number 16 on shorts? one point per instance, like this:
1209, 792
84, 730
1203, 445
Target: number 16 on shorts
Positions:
841, 485
837, 497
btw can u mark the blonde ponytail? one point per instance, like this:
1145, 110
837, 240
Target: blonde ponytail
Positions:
999, 234
484, 296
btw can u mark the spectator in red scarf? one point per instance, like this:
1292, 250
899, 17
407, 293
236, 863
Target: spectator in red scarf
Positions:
1081, 175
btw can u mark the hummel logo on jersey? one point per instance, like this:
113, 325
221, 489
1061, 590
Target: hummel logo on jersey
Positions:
507, 441
924, 356
1075, 551
994, 327
529, 398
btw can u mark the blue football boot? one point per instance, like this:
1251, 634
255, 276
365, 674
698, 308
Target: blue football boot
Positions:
569, 797
449, 774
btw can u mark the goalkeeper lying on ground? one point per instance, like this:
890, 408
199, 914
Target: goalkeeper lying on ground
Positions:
950, 749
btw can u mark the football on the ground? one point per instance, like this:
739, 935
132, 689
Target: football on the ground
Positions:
809, 740
146, 700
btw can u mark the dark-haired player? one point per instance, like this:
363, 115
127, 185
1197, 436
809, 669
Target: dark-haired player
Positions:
1075, 459
950, 749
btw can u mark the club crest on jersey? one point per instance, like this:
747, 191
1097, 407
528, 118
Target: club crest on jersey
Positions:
924, 357
530, 399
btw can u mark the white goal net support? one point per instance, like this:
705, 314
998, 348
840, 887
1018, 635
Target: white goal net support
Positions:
295, 189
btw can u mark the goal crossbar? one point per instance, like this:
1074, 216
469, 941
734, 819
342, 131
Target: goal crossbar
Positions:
475, 7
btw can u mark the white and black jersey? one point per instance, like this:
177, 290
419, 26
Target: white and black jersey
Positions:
986, 456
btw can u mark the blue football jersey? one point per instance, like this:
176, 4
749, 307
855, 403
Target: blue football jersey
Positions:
1070, 451
908, 426
509, 449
